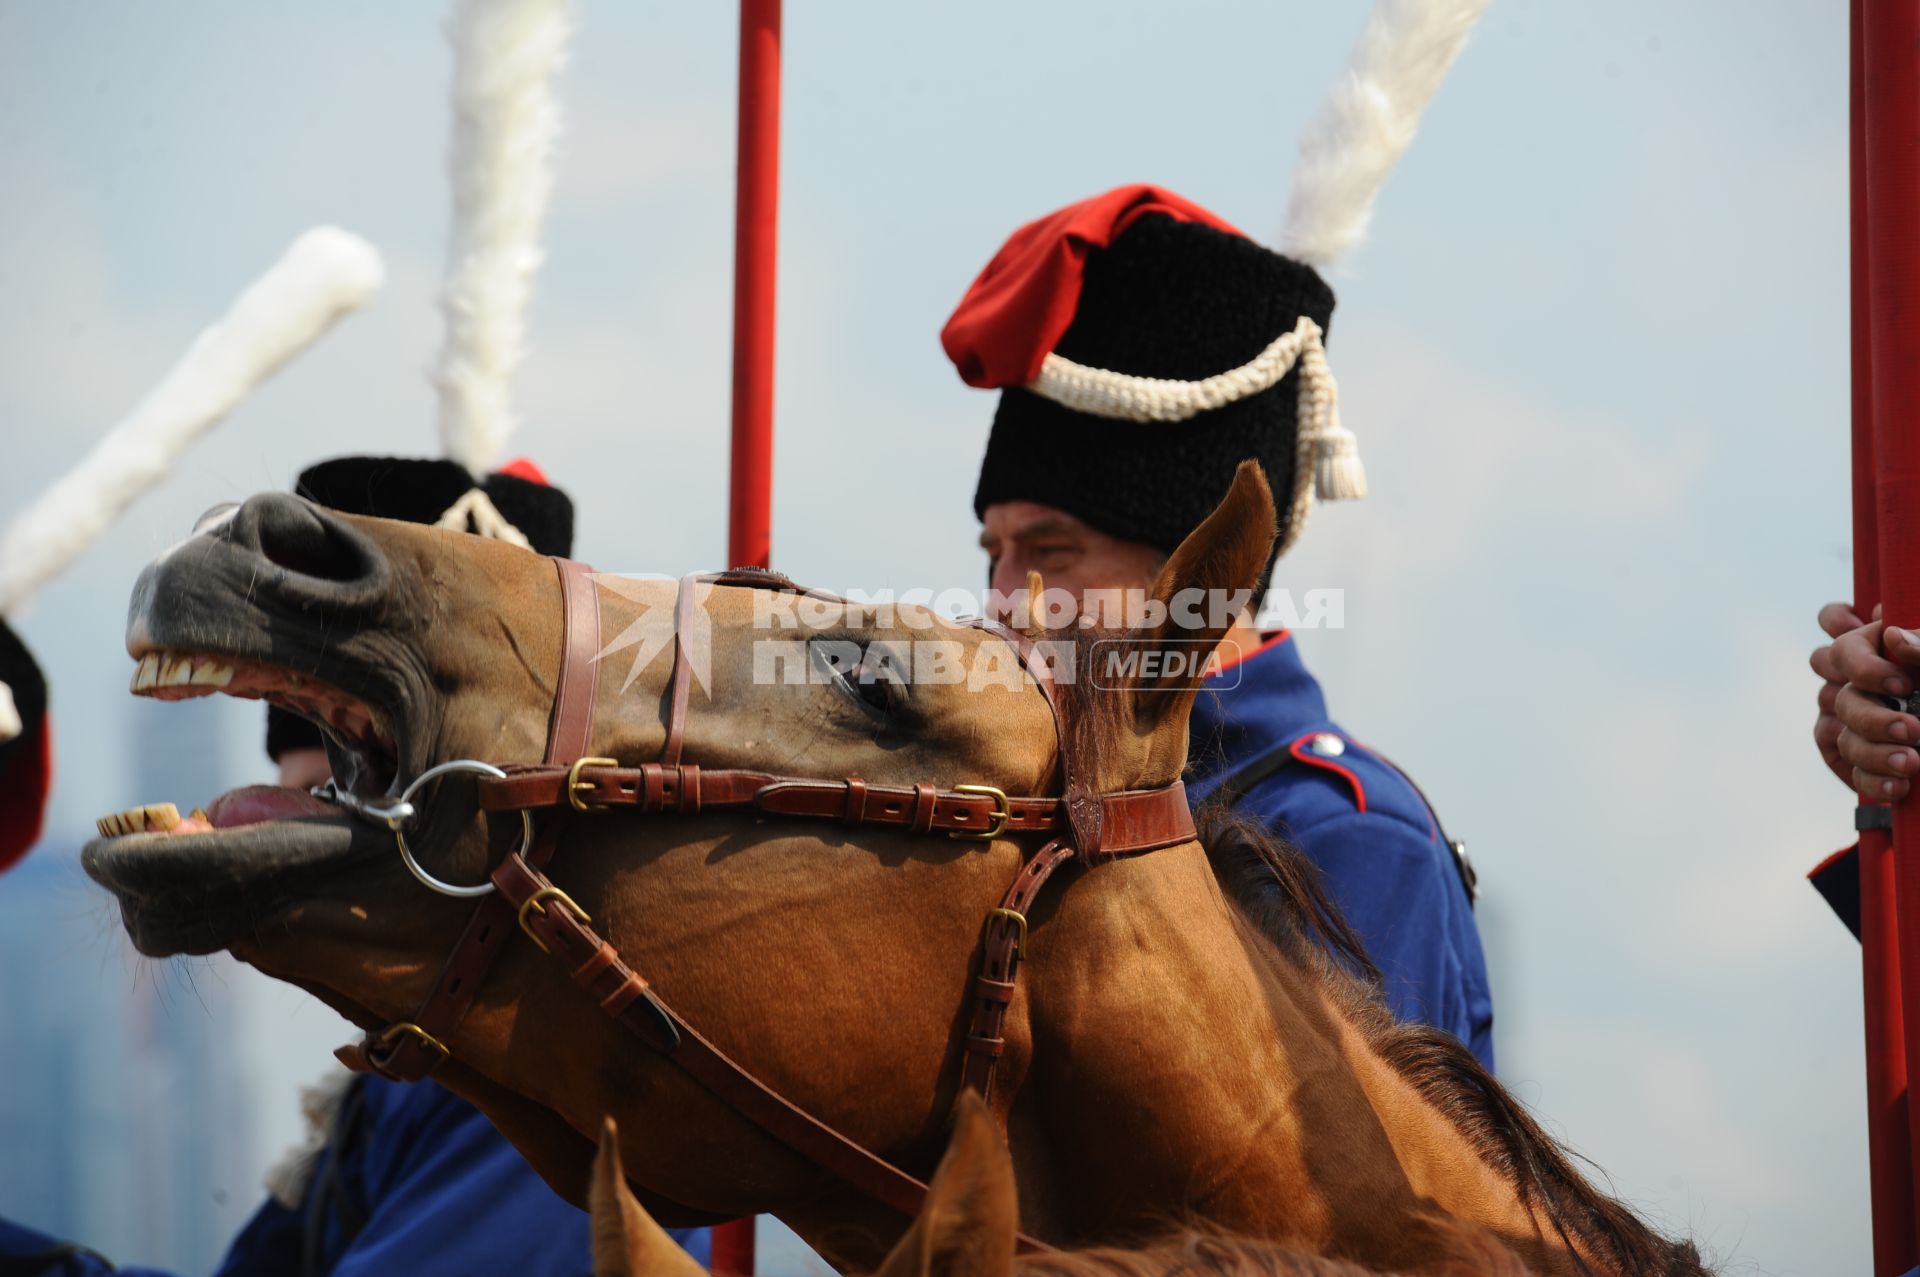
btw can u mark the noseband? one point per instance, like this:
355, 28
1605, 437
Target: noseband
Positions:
1077, 823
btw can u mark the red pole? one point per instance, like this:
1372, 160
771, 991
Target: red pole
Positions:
756, 215
756, 220
1890, 109
1889, 1146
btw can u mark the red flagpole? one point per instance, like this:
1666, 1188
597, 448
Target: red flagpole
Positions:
1890, 112
756, 219
756, 216
1889, 1144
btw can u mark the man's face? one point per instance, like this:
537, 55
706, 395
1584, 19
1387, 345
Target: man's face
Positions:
1024, 536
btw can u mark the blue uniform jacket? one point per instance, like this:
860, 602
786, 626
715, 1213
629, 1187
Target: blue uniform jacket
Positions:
1377, 844
437, 1190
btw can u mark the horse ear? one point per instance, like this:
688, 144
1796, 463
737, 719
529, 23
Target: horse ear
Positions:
968, 1224
626, 1240
1205, 585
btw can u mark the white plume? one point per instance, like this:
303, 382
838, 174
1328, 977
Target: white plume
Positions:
1365, 124
324, 275
505, 118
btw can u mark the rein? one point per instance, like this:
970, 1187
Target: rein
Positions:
1078, 823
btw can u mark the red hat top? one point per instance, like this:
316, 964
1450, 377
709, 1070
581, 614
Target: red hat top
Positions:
1024, 301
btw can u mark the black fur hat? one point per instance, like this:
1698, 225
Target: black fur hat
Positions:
1175, 300
1144, 348
421, 491
517, 496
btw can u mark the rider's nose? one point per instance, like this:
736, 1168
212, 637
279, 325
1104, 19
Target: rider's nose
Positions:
1009, 574
319, 552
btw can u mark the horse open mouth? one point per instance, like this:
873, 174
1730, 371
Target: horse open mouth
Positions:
192, 883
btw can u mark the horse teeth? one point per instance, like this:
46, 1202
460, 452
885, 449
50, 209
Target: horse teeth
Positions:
148, 674
178, 674
208, 674
154, 817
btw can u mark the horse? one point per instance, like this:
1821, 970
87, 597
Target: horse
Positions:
1187, 1037
968, 1226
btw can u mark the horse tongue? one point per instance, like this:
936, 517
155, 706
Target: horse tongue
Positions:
252, 804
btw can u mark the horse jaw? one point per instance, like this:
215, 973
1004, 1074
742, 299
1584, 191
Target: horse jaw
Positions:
561, 1154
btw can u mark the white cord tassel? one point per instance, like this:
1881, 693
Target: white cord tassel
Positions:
1337, 472
505, 119
1368, 119
326, 274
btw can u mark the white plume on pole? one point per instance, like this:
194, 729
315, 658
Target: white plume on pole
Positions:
505, 118
324, 275
1350, 147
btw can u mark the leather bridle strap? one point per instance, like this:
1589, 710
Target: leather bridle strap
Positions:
1139, 816
1001, 951
410, 1049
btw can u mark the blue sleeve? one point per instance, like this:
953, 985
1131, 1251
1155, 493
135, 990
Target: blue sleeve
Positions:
446, 1193
270, 1244
27, 1252
1399, 889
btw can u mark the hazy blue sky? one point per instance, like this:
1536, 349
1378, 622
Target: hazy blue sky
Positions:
1595, 353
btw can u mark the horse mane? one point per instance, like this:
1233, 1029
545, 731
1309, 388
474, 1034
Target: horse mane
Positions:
1278, 892
1476, 1253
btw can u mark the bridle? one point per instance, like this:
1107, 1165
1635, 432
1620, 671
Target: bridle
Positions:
1078, 824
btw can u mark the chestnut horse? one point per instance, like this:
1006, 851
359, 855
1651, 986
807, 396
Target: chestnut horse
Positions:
1181, 1045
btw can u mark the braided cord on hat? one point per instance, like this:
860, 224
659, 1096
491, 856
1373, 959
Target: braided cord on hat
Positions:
477, 511
1327, 453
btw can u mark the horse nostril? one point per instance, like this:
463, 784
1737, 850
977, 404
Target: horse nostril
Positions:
301, 538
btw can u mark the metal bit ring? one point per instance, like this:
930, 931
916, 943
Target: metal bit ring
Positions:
405, 803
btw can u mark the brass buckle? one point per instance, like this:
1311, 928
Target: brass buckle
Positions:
1019, 921
559, 897
1000, 815
576, 786
426, 1039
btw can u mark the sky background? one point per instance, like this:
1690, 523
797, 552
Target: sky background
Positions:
1594, 352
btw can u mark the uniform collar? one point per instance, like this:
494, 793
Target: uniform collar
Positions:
1264, 700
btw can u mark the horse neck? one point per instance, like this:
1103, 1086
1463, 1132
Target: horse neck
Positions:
1179, 1064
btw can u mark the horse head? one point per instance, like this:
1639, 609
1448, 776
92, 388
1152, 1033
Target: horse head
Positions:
831, 959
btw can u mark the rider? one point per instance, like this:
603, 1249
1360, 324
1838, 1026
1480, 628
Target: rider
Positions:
396, 1177
1091, 480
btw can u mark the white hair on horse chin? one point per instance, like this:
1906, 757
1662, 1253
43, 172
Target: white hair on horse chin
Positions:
324, 275
1351, 146
505, 119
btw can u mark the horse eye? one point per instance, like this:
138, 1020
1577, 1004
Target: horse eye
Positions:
868, 683
874, 689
